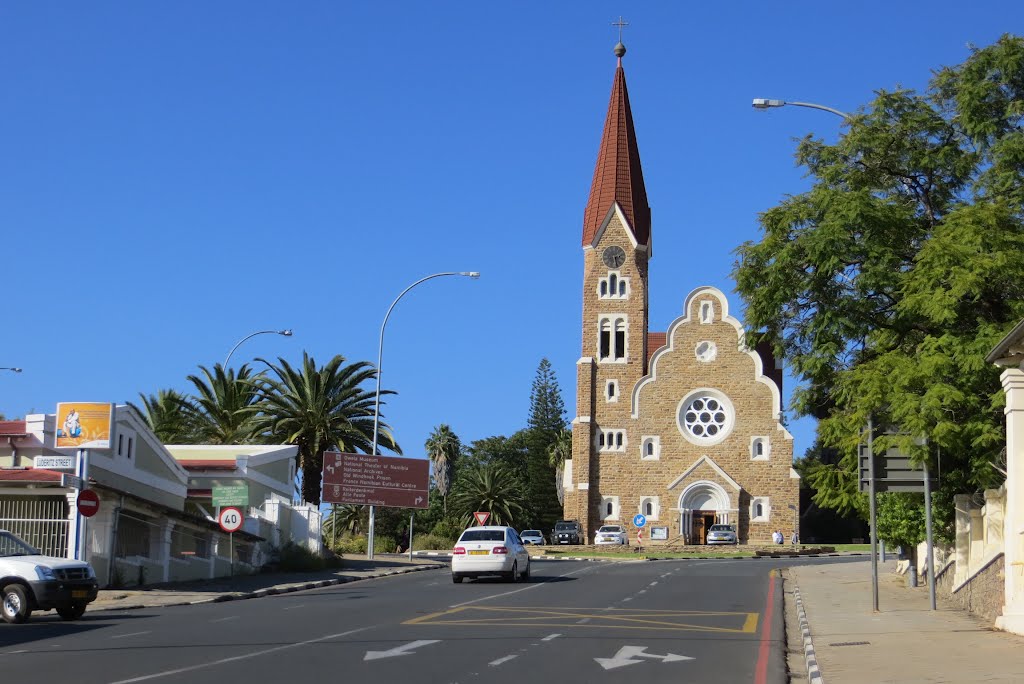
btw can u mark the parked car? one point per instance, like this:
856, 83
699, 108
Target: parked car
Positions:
612, 534
722, 534
532, 537
490, 550
567, 532
31, 581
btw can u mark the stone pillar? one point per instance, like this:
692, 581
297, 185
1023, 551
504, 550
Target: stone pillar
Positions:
962, 504
163, 555
995, 520
1012, 619
74, 532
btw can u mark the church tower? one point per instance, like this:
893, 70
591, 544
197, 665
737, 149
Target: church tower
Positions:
616, 250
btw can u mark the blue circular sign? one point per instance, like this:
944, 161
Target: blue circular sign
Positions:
639, 520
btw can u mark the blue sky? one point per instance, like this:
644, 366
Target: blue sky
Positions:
174, 176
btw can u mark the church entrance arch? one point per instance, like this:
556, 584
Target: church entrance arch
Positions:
701, 505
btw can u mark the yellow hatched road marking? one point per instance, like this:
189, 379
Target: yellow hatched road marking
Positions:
617, 618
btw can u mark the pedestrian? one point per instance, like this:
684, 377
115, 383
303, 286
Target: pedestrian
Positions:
795, 539
777, 536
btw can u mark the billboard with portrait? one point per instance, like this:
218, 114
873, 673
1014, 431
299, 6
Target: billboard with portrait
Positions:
84, 425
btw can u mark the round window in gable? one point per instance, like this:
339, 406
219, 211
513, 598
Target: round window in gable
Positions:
706, 351
705, 417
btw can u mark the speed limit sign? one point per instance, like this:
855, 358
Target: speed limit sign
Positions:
230, 519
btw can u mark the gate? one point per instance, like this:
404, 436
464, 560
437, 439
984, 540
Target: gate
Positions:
42, 522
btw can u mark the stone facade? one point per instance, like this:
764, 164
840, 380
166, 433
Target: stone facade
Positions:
633, 449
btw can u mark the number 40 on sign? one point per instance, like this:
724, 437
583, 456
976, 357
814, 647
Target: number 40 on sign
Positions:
231, 519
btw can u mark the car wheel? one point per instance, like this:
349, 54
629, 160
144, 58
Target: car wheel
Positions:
526, 573
457, 579
514, 575
14, 604
71, 611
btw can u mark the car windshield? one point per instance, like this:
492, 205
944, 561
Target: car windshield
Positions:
13, 546
721, 528
483, 535
610, 528
530, 533
565, 526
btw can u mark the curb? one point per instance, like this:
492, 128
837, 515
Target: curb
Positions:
813, 673
271, 591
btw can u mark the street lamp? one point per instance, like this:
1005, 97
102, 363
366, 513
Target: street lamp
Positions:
380, 360
286, 333
763, 103
11, 368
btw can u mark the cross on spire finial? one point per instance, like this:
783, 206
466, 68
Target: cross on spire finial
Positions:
621, 25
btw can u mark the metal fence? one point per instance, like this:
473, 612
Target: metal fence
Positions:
43, 523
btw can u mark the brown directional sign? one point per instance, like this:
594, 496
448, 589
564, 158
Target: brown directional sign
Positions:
364, 480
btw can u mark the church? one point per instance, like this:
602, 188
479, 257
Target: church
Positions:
682, 426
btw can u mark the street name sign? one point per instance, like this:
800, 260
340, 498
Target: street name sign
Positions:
231, 495
68, 480
54, 462
366, 480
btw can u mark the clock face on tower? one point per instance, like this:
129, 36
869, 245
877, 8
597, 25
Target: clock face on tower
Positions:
614, 257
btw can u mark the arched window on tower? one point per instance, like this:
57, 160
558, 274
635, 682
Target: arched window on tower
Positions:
611, 343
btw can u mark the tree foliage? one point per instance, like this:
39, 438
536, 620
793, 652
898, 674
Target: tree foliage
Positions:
164, 414
546, 423
443, 449
489, 488
220, 410
885, 285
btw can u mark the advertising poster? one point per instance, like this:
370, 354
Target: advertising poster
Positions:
84, 425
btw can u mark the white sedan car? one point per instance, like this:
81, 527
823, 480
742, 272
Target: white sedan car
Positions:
612, 534
490, 550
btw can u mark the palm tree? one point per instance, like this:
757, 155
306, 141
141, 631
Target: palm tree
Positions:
166, 416
558, 453
443, 448
343, 518
221, 406
489, 488
319, 409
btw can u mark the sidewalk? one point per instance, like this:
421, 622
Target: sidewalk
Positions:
255, 586
904, 642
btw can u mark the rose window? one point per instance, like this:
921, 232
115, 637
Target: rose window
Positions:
705, 417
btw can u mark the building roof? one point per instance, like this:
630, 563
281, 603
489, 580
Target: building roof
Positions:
29, 475
617, 175
655, 341
13, 428
207, 464
1009, 351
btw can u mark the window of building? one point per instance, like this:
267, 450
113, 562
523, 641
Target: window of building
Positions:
611, 393
125, 442
610, 507
707, 312
759, 449
759, 509
650, 448
649, 506
611, 440
134, 536
706, 417
614, 286
612, 338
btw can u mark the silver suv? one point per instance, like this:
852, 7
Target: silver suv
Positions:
31, 581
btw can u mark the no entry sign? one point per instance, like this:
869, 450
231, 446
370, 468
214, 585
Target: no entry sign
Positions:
88, 503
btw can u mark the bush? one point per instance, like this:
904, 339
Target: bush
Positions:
432, 542
294, 558
382, 543
445, 529
351, 545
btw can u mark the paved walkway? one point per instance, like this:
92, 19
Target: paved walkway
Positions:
904, 642
254, 586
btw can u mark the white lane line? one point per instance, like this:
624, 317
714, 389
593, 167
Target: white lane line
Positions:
642, 591
122, 636
499, 661
583, 621
516, 591
301, 605
549, 637
191, 668
653, 584
225, 619
629, 598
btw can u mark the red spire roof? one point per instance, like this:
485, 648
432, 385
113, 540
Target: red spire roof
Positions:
618, 176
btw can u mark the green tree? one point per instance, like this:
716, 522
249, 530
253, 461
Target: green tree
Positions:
221, 409
546, 423
489, 488
443, 449
559, 452
318, 409
885, 285
165, 414
901, 520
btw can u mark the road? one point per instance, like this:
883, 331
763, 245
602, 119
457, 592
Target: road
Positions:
687, 620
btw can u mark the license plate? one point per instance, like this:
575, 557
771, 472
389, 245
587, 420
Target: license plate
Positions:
79, 594
478, 553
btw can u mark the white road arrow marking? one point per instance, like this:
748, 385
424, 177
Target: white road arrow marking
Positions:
626, 656
399, 650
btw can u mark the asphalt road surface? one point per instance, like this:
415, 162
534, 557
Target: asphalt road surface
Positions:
662, 621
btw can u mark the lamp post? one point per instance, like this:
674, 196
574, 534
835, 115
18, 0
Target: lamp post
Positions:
11, 368
380, 360
763, 103
286, 333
